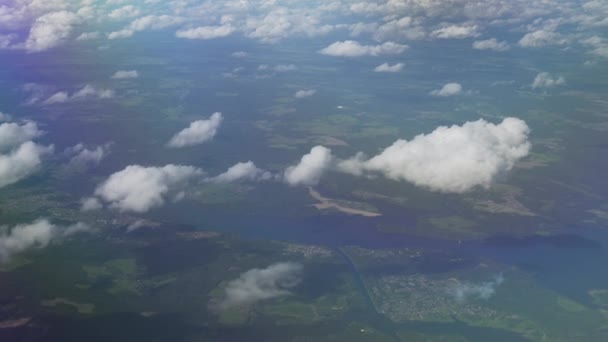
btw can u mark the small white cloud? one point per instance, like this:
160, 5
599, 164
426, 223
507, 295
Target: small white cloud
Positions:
197, 133
125, 12
545, 80
206, 32
242, 171
87, 91
449, 89
300, 94
491, 44
37, 234
351, 48
138, 188
485, 290
310, 168
59, 97
456, 32
240, 54
541, 38
84, 158
125, 74
262, 284
284, 67
88, 36
385, 67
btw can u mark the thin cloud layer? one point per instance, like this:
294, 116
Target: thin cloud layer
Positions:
197, 133
465, 291
262, 284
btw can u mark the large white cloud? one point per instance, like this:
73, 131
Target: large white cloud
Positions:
19, 155
50, 30
351, 48
310, 168
261, 284
138, 188
197, 133
450, 159
449, 89
13, 134
37, 234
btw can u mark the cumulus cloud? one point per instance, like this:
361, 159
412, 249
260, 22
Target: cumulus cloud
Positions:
351, 48
37, 234
449, 89
262, 284
125, 74
149, 22
485, 290
198, 132
83, 158
545, 80
456, 32
450, 159
242, 171
491, 44
540, 38
385, 67
87, 91
13, 134
19, 156
50, 30
206, 32
91, 203
125, 12
310, 168
138, 188
300, 94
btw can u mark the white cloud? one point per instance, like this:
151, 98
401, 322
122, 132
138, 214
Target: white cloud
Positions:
206, 32
87, 91
261, 284
37, 234
300, 94
456, 32
385, 67
149, 22
88, 36
284, 67
450, 159
83, 158
351, 48
20, 157
13, 134
449, 89
310, 168
125, 74
21, 162
491, 44
197, 133
240, 54
4, 117
128, 11
91, 203
242, 171
545, 80
138, 188
541, 38
485, 290
50, 30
